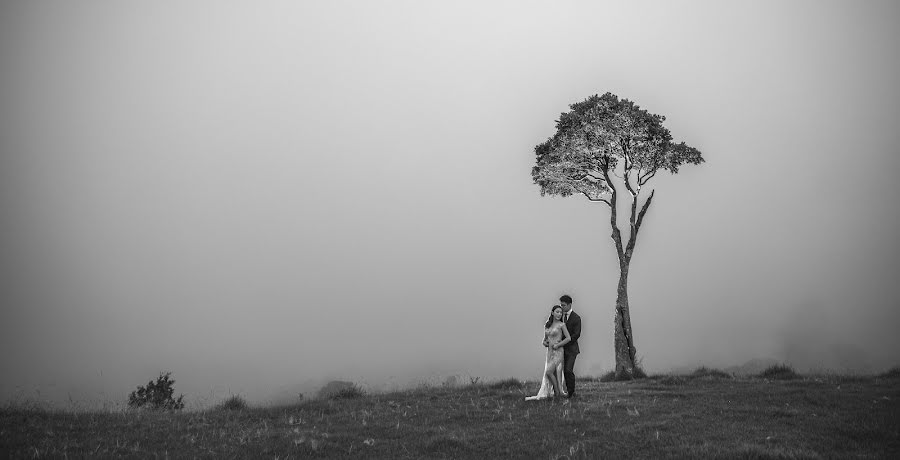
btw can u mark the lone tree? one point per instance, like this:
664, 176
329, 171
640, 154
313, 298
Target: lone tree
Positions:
602, 145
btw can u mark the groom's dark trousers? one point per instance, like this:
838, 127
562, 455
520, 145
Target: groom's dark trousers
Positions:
570, 351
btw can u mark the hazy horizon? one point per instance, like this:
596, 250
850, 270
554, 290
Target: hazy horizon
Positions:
256, 196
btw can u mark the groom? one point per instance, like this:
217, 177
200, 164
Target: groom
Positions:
570, 350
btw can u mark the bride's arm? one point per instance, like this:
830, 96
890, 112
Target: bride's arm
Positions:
567, 338
546, 340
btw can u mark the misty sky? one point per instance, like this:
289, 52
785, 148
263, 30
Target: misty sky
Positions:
254, 195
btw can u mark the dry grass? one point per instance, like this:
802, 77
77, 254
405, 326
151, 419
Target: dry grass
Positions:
650, 418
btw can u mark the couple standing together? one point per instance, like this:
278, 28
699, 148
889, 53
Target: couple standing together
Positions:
561, 333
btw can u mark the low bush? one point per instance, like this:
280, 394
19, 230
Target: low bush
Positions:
704, 371
779, 372
234, 402
337, 389
156, 395
892, 373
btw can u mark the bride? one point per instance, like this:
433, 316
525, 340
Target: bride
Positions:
555, 336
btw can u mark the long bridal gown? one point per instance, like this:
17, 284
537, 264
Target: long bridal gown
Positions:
554, 360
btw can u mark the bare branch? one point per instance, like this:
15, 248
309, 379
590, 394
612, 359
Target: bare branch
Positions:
646, 177
636, 226
587, 176
591, 198
628, 166
596, 200
640, 218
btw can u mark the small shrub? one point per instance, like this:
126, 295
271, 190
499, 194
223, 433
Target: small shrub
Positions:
349, 393
779, 372
892, 373
507, 384
452, 381
235, 403
337, 389
704, 371
156, 395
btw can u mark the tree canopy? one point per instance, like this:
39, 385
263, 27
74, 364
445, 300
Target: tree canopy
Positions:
599, 134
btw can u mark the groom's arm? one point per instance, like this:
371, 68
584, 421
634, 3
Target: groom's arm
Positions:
575, 330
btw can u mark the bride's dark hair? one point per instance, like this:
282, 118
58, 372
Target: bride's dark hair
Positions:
550, 320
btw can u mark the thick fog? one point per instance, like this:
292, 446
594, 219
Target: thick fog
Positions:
263, 196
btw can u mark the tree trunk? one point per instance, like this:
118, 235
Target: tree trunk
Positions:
624, 340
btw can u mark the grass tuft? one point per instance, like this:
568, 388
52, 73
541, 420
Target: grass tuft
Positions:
779, 372
892, 373
672, 380
351, 392
611, 376
339, 389
706, 372
507, 384
235, 403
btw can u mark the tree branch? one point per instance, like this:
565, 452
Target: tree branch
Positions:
616, 234
586, 176
589, 197
628, 166
635, 228
646, 177
644, 210
596, 200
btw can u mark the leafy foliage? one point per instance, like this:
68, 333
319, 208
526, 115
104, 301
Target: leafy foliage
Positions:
156, 395
598, 134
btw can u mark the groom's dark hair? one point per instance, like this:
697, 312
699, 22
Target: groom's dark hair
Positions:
566, 299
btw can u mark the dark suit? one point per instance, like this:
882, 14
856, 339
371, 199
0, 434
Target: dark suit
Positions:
571, 350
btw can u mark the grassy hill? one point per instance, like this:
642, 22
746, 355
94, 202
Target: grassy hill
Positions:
706, 414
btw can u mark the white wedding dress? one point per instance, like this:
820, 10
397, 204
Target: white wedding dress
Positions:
554, 360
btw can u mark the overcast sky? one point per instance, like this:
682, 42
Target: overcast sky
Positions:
254, 195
